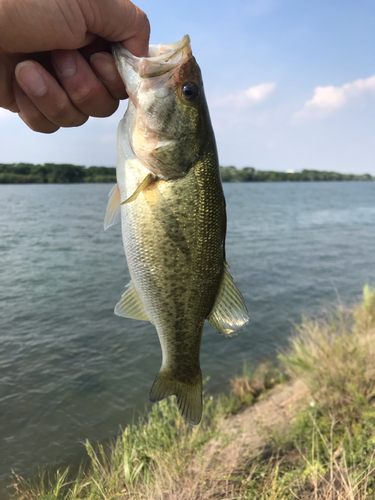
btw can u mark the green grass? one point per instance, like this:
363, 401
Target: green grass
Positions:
336, 359
141, 454
256, 381
328, 453
319, 458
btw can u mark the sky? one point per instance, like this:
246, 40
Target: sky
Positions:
290, 85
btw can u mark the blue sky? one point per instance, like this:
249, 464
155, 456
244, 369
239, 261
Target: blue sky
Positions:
290, 85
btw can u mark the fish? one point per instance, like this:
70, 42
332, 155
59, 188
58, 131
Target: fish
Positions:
171, 204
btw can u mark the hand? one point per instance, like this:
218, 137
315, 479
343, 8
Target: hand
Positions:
55, 66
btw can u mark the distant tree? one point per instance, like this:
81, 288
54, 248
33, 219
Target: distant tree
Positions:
64, 173
100, 174
68, 173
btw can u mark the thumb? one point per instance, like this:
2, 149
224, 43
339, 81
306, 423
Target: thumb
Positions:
118, 21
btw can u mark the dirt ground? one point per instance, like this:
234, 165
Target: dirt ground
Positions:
249, 429
245, 434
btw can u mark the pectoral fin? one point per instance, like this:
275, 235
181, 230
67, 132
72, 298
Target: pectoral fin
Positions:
229, 314
113, 213
130, 305
146, 181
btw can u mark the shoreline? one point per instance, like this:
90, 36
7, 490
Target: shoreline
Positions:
51, 173
306, 427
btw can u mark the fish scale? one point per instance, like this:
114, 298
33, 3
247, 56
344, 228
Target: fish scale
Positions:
173, 218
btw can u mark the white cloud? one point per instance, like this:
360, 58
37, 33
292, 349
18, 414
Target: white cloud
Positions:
327, 99
259, 92
252, 95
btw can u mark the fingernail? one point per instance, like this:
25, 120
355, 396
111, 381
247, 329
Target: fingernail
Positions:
65, 62
105, 66
30, 78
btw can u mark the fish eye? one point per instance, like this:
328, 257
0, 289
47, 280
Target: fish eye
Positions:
190, 91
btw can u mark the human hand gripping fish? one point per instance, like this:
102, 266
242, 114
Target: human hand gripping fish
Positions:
172, 207
55, 68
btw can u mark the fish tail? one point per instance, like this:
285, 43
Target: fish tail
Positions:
188, 394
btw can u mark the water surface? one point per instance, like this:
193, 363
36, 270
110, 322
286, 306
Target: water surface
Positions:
71, 370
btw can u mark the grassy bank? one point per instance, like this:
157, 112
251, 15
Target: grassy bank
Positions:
304, 429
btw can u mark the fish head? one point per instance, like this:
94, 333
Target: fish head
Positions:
171, 120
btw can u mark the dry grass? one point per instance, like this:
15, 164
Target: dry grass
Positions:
329, 453
200, 480
46, 487
336, 359
256, 382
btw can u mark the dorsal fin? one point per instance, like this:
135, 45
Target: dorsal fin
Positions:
113, 212
130, 305
229, 314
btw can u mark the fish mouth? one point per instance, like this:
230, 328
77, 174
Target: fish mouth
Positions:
161, 58
168, 54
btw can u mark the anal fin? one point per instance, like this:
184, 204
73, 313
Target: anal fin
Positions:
130, 305
229, 314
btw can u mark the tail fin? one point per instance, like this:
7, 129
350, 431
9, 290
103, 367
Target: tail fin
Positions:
189, 395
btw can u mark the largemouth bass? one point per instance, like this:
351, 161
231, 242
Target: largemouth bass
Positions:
173, 217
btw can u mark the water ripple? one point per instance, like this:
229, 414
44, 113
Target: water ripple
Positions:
70, 370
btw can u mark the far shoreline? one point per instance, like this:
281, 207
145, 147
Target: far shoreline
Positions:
51, 173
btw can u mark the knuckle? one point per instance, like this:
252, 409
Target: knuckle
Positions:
83, 94
121, 94
144, 23
117, 91
39, 124
6, 94
34, 115
63, 113
58, 109
77, 121
107, 110
9, 104
94, 101
34, 126
49, 128
4, 103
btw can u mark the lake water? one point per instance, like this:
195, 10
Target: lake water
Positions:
71, 370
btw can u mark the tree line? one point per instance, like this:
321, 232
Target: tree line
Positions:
23, 173
249, 174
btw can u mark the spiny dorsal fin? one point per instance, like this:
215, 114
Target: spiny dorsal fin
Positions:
188, 394
113, 212
130, 305
146, 181
229, 314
